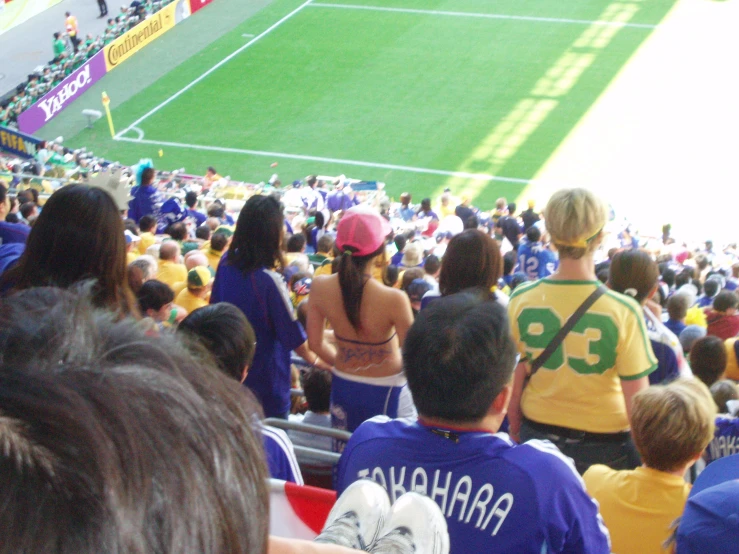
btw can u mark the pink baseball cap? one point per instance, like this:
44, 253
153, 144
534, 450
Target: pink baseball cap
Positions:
362, 230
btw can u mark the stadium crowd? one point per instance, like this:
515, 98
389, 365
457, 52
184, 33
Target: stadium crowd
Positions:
533, 381
70, 51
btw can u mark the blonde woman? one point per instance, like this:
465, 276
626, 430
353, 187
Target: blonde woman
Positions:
581, 397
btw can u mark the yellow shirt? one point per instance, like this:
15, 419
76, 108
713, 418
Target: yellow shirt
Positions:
579, 387
325, 269
732, 364
696, 316
214, 258
131, 256
147, 239
171, 273
189, 301
637, 506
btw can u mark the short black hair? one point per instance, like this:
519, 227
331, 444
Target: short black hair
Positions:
533, 234
154, 295
317, 389
509, 262
147, 223
218, 241
708, 359
511, 208
432, 264
216, 209
202, 232
212, 169
226, 333
178, 231
458, 357
400, 241
725, 300
26, 209
191, 198
296, 243
325, 244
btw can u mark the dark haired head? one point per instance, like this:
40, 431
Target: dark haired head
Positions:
634, 273
400, 242
191, 198
226, 333
296, 243
512, 208
458, 357
708, 359
432, 264
217, 210
147, 176
218, 242
390, 277
317, 389
533, 234
472, 259
325, 244
147, 224
212, 170
178, 231
202, 232
725, 301
88, 413
668, 276
154, 295
77, 237
258, 236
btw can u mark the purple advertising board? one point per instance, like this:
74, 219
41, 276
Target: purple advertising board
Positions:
71, 88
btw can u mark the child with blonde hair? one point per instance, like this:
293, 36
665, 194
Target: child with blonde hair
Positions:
671, 425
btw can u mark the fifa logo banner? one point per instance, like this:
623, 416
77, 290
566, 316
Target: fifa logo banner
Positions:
145, 33
17, 143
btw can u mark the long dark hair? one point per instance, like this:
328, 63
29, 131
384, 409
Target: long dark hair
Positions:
352, 279
472, 259
77, 237
258, 236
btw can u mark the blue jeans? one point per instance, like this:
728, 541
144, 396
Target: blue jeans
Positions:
587, 452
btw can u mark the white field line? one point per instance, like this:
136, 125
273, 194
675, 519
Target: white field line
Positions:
212, 69
485, 15
282, 155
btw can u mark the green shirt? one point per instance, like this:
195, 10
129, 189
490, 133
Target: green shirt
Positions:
59, 47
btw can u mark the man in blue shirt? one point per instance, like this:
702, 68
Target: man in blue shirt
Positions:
191, 200
534, 258
10, 232
496, 496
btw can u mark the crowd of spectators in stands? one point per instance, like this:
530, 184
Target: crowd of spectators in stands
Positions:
68, 57
510, 367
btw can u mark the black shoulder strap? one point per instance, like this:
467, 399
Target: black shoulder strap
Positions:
566, 328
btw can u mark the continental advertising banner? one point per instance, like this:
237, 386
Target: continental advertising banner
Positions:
195, 5
145, 33
61, 96
17, 143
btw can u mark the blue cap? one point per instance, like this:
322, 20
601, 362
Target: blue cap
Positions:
710, 522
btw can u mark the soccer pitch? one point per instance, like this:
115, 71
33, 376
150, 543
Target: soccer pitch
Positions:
476, 95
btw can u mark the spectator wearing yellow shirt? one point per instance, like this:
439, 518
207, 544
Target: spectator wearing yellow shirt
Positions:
216, 249
171, 271
147, 225
671, 425
199, 282
132, 246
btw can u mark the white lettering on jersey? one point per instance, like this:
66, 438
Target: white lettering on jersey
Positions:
459, 501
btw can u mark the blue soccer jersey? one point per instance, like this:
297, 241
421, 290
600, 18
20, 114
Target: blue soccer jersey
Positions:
281, 460
496, 496
536, 260
725, 439
262, 296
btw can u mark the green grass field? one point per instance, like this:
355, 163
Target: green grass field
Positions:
422, 94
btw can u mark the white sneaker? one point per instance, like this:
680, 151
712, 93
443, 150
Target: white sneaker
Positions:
357, 517
416, 525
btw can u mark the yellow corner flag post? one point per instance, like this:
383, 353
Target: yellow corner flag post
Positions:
106, 105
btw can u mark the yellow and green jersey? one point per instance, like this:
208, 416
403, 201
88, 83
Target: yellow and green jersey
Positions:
579, 387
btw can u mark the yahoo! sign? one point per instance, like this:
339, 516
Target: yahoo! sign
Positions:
54, 101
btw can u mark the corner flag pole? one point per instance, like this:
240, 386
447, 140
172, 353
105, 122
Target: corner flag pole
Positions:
106, 105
